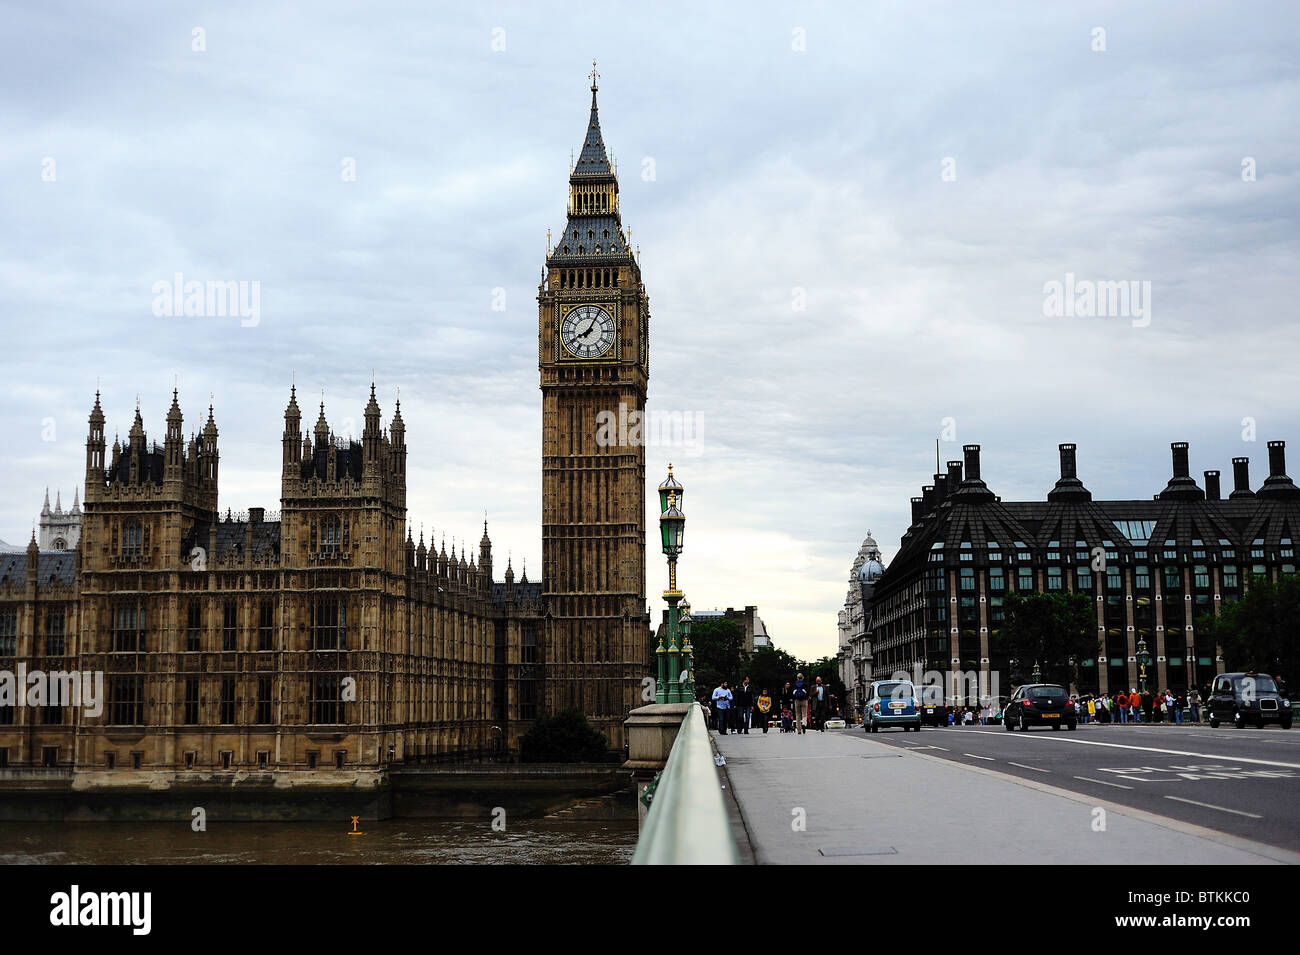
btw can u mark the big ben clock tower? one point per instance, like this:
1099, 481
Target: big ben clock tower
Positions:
593, 343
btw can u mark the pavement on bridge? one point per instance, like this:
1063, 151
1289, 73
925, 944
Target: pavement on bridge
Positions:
844, 797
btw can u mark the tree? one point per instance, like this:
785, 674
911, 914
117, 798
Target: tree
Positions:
720, 651
1054, 630
770, 668
1258, 632
566, 737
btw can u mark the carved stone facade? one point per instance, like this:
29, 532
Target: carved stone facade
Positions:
326, 639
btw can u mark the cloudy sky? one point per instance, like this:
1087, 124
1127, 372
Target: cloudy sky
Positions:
847, 214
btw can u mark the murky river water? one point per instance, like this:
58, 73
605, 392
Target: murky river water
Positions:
400, 841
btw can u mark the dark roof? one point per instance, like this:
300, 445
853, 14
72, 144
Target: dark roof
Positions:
232, 536
529, 591
593, 161
61, 567
604, 229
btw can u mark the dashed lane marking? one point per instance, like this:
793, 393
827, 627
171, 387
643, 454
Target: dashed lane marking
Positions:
1102, 782
1235, 812
1036, 769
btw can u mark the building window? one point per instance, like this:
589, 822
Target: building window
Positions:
189, 759
1114, 580
126, 700
1201, 575
1257, 547
1142, 577
263, 758
968, 578
227, 709
1287, 550
329, 624
1084, 577
265, 625
131, 539
1173, 579
528, 643
191, 710
52, 714
339, 756
55, 633
1025, 580
326, 699
136, 759
194, 627
110, 759
311, 758
128, 627
1054, 578
229, 625
8, 634
263, 700
50, 757
1230, 579
997, 580
330, 534
225, 758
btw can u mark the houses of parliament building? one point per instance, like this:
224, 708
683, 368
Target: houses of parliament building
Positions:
325, 637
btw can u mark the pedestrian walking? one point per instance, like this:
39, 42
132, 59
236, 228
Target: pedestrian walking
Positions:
763, 708
722, 700
786, 703
744, 706
819, 702
800, 704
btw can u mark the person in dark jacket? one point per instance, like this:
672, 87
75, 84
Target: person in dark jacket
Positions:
744, 706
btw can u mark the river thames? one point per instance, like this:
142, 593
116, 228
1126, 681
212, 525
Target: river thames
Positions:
392, 842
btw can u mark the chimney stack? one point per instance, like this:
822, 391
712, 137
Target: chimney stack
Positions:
1181, 487
1278, 484
918, 509
954, 475
1068, 486
972, 454
1241, 478
1212, 485
928, 494
1181, 470
940, 489
1068, 467
1277, 459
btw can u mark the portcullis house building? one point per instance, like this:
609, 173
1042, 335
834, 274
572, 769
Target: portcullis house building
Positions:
1166, 561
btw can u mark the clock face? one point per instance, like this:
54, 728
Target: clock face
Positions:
587, 331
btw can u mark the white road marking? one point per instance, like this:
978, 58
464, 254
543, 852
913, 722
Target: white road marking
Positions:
1152, 749
1235, 812
1102, 782
973, 756
944, 748
1034, 768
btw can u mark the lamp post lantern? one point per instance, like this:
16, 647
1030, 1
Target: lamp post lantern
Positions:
672, 529
1038, 673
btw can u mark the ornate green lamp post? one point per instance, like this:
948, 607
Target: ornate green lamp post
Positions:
1144, 660
672, 528
688, 652
1038, 673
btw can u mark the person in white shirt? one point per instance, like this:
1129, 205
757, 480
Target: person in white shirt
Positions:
722, 701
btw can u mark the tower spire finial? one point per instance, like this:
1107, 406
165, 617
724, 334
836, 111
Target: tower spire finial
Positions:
593, 75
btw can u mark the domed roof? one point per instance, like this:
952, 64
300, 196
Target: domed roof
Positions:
867, 565
870, 569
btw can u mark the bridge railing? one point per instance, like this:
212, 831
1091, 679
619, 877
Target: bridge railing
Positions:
688, 822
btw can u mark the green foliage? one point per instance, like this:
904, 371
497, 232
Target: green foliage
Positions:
1258, 632
566, 737
720, 651
770, 668
1054, 630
